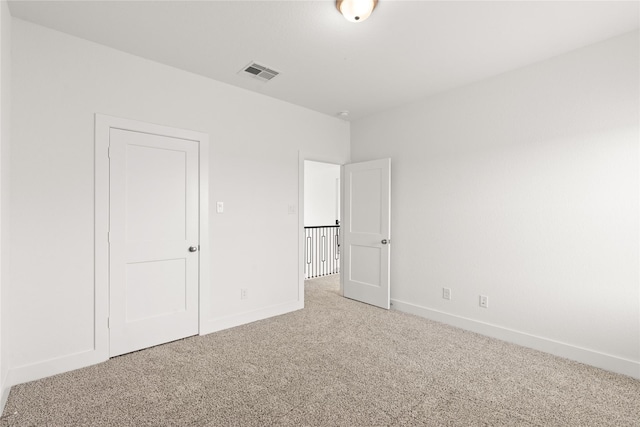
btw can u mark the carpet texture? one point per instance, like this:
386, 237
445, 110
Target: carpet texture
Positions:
335, 363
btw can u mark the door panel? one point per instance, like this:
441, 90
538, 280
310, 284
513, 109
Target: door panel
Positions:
365, 201
153, 283
365, 265
155, 193
366, 225
164, 280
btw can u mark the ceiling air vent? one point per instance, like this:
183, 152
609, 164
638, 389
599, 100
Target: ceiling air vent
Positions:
259, 72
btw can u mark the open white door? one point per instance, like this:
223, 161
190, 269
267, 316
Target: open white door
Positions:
366, 232
153, 239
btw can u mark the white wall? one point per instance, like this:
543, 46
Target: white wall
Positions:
321, 193
525, 188
59, 83
5, 110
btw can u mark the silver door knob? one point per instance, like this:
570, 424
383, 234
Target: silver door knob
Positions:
384, 241
193, 248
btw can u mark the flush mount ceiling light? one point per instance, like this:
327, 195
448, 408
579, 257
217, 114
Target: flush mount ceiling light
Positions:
356, 10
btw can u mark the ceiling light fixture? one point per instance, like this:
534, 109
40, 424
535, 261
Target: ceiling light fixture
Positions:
356, 10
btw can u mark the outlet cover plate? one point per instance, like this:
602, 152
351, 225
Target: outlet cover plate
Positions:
484, 301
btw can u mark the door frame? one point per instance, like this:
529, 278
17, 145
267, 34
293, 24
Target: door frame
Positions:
103, 123
301, 243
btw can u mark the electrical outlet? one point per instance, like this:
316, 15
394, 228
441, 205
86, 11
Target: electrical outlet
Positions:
244, 294
484, 301
446, 293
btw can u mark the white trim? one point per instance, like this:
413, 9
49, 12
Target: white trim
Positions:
215, 325
301, 242
101, 230
568, 351
5, 390
103, 124
204, 252
54, 366
341, 239
3, 398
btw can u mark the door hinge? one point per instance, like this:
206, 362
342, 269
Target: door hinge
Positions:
109, 152
109, 236
108, 323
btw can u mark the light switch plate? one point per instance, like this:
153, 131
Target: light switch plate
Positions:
219, 207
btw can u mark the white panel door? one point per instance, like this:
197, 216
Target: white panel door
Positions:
153, 240
366, 232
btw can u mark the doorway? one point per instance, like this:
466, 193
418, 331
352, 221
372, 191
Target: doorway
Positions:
321, 219
363, 242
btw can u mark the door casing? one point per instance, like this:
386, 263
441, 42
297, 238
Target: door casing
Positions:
103, 123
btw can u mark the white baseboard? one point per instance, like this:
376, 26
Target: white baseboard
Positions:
54, 366
219, 324
568, 351
5, 389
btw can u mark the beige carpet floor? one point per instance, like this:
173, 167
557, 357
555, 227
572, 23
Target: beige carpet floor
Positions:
335, 363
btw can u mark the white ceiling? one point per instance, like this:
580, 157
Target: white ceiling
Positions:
405, 51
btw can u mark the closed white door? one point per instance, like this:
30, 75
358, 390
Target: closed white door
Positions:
153, 240
366, 232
